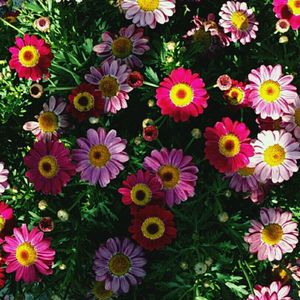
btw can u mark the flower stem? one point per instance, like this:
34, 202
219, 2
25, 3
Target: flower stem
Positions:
12, 26
150, 84
189, 144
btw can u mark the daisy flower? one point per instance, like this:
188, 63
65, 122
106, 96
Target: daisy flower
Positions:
271, 93
111, 79
275, 291
100, 157
276, 154
85, 101
176, 172
49, 166
182, 95
237, 95
153, 227
98, 292
125, 48
286, 272
272, 236
31, 57
141, 188
51, 121
7, 220
227, 146
148, 12
119, 263
291, 120
239, 21
4, 185
289, 10
29, 254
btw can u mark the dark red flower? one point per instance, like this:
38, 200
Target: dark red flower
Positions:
85, 101
268, 123
153, 227
135, 79
46, 224
150, 133
7, 221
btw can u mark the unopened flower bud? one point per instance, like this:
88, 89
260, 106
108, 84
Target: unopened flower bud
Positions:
63, 215
223, 217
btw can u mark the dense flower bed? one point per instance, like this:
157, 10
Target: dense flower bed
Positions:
149, 149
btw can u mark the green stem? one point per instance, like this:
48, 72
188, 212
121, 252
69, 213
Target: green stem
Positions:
150, 84
246, 275
12, 26
61, 88
159, 142
189, 144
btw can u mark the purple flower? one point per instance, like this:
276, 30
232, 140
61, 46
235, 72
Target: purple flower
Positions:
120, 264
101, 156
3, 178
176, 172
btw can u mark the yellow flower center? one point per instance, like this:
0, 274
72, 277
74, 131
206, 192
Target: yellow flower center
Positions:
170, 176
121, 47
294, 7
26, 254
153, 228
109, 86
181, 94
84, 102
99, 155
283, 274
148, 5
235, 96
274, 155
141, 194
239, 20
48, 121
100, 292
246, 171
2, 223
297, 116
272, 234
29, 56
48, 166
119, 264
270, 91
229, 145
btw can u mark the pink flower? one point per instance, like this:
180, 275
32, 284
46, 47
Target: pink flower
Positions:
29, 254
3, 178
239, 20
125, 48
288, 9
227, 146
271, 93
237, 95
272, 236
148, 12
182, 95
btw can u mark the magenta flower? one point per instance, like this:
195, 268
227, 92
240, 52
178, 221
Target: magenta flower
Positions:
3, 178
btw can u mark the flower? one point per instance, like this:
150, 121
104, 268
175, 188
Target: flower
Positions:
182, 95
239, 20
84, 102
29, 254
153, 227
285, 273
200, 268
224, 82
237, 94
289, 10
276, 154
100, 157
257, 196
3, 178
31, 57
50, 122
268, 123
36, 90
49, 166
272, 236
111, 80
148, 12
46, 224
141, 189
135, 79
119, 263
63, 215
275, 291
227, 146
125, 48
42, 24
291, 120
271, 93
282, 26
150, 133
98, 292
176, 172
7, 220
